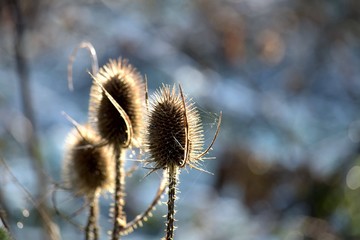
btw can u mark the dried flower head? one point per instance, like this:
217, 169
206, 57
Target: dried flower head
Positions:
87, 169
125, 85
174, 131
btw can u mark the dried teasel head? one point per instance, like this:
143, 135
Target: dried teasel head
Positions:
125, 85
174, 135
87, 168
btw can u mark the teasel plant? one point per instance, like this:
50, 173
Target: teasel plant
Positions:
116, 110
173, 133
87, 171
174, 140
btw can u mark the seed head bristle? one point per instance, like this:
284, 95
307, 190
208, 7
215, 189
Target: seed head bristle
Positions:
126, 86
87, 169
166, 134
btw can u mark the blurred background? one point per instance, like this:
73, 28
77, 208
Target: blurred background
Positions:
285, 73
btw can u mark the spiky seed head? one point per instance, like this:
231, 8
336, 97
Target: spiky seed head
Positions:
126, 86
165, 133
87, 169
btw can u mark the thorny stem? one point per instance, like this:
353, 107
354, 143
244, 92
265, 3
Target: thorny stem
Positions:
173, 175
92, 229
119, 214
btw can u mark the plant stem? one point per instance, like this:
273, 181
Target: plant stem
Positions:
173, 175
92, 229
119, 214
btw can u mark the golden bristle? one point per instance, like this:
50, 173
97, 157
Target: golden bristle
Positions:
126, 86
87, 169
166, 134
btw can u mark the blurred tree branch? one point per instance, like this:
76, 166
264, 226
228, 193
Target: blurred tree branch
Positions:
32, 142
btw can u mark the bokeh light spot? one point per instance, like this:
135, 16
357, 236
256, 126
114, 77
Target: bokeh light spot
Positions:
20, 225
353, 178
26, 213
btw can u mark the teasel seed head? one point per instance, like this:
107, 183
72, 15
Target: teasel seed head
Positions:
174, 135
87, 168
125, 85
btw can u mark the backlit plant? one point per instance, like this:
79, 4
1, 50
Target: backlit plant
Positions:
169, 129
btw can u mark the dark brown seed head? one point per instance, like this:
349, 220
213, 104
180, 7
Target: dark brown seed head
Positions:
87, 169
125, 85
166, 134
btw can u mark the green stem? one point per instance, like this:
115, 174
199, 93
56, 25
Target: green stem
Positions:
173, 175
119, 214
